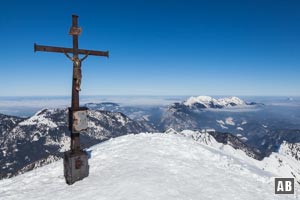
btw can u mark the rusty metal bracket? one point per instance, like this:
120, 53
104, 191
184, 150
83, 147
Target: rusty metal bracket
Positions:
75, 31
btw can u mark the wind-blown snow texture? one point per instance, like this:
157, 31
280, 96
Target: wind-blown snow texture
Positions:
149, 166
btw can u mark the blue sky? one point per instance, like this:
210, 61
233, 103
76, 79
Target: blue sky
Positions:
165, 47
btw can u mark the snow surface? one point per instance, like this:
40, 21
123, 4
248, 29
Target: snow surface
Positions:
229, 121
244, 122
240, 128
221, 122
223, 127
39, 118
150, 166
226, 101
207, 101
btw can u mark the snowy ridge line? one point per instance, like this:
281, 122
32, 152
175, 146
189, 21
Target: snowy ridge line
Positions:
208, 101
284, 163
37, 164
210, 135
40, 118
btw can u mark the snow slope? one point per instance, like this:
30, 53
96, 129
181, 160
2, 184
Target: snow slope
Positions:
149, 166
284, 163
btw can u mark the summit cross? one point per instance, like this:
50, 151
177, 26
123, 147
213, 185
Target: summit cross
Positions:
75, 161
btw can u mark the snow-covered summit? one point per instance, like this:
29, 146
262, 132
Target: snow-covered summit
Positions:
149, 166
41, 118
231, 101
209, 102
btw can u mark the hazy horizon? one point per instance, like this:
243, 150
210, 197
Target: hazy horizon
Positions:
28, 105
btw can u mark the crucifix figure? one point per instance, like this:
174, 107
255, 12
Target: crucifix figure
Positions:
75, 161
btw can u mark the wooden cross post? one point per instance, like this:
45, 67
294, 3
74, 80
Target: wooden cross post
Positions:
77, 114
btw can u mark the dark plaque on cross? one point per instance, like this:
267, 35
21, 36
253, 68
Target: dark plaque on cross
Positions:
76, 160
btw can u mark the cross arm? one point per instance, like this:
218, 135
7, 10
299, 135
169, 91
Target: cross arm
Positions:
69, 50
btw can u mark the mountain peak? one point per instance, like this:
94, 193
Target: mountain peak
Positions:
41, 117
210, 102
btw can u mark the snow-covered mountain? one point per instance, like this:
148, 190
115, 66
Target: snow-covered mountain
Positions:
284, 163
250, 121
155, 166
211, 137
45, 136
291, 150
27, 143
190, 114
209, 102
8, 123
42, 138
143, 114
272, 141
108, 106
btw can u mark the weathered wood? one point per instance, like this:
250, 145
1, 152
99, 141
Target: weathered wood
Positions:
69, 50
73, 174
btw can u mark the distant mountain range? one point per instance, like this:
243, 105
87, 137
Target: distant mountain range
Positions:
201, 102
26, 143
45, 136
254, 123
